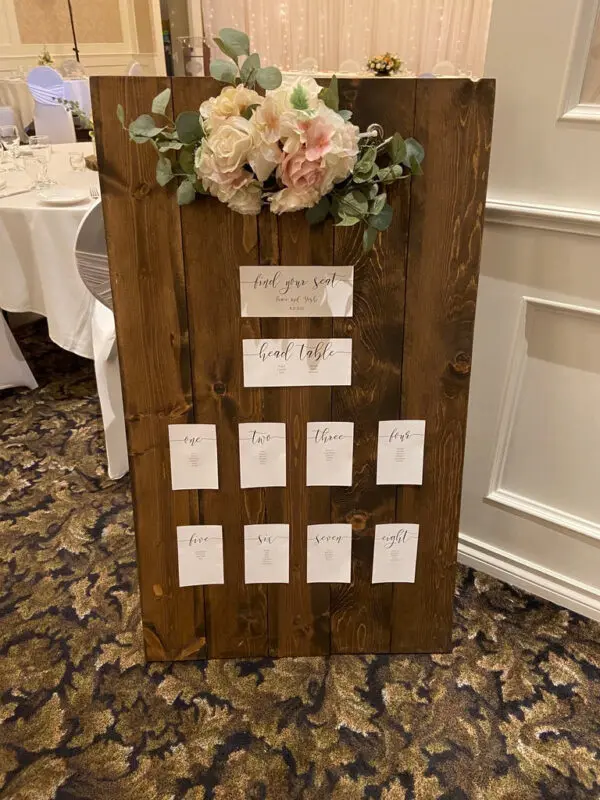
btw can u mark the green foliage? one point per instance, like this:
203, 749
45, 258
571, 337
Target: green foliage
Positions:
185, 160
186, 192
164, 171
383, 219
330, 95
249, 69
397, 149
369, 237
268, 77
223, 71
319, 212
161, 101
189, 127
233, 43
390, 174
299, 98
345, 114
121, 115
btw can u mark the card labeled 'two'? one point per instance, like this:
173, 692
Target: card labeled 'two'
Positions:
200, 554
400, 449
329, 453
395, 553
329, 553
262, 454
267, 553
193, 451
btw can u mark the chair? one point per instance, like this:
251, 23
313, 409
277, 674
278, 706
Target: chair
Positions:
7, 116
14, 370
135, 68
92, 263
50, 117
353, 67
308, 65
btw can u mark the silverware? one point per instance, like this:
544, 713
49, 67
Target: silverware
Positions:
94, 193
14, 192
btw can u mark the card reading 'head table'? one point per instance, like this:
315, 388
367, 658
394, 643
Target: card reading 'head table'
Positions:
297, 362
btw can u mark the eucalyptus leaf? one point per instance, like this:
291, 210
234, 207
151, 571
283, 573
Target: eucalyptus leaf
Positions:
189, 128
396, 148
161, 101
369, 237
185, 160
415, 166
373, 191
249, 110
366, 161
268, 77
345, 114
414, 150
383, 220
330, 95
354, 204
223, 71
390, 174
345, 221
249, 68
163, 147
236, 42
186, 193
144, 126
121, 114
164, 171
378, 204
318, 212
225, 49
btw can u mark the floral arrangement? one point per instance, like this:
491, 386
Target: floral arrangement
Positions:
385, 64
45, 59
287, 147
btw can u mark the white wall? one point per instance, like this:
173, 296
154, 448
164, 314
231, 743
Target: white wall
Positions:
531, 510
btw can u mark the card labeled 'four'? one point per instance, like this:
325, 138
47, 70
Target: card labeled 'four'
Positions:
400, 448
395, 553
193, 452
329, 553
267, 553
200, 554
329, 453
262, 454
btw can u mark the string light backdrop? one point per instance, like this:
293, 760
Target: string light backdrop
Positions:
422, 32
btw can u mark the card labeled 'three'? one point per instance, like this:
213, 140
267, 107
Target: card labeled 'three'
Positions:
297, 362
267, 291
193, 452
200, 554
329, 453
400, 449
267, 553
329, 553
262, 454
395, 553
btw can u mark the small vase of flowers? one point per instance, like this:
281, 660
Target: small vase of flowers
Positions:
386, 64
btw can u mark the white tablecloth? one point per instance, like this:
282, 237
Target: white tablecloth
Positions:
15, 93
37, 265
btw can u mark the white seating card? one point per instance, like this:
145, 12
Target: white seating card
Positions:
329, 553
297, 362
267, 553
400, 448
262, 454
329, 453
395, 553
296, 291
200, 554
193, 452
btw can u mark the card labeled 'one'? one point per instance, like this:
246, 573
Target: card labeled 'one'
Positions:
267, 291
329, 553
193, 451
297, 362
200, 554
267, 553
400, 448
262, 454
395, 553
329, 453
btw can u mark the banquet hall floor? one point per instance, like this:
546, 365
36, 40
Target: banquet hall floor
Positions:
511, 712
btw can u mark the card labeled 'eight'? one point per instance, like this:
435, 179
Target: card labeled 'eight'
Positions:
329, 453
329, 553
200, 554
267, 553
297, 362
400, 448
395, 553
193, 454
267, 291
262, 454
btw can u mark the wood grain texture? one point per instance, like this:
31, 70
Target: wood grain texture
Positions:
148, 288
361, 611
215, 243
453, 121
298, 611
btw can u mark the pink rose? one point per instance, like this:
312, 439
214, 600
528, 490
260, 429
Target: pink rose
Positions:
299, 173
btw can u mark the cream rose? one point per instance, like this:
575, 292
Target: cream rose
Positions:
221, 159
247, 200
291, 200
232, 101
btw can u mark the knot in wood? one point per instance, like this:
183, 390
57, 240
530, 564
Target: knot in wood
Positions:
219, 388
461, 365
141, 191
358, 520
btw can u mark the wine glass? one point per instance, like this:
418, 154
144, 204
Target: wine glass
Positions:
41, 151
9, 139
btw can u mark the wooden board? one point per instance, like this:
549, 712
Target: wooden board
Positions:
175, 277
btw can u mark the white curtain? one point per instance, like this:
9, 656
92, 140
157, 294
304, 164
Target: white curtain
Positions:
421, 32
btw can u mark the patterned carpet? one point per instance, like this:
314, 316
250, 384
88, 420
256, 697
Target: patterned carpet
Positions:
513, 712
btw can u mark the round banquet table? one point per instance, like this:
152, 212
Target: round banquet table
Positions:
15, 93
38, 271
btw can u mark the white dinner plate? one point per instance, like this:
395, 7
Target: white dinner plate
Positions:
63, 196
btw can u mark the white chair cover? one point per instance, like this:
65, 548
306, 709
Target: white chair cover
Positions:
46, 85
135, 68
50, 118
92, 263
14, 370
7, 116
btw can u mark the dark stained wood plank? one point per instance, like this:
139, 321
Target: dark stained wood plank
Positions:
215, 243
454, 123
144, 250
361, 611
298, 611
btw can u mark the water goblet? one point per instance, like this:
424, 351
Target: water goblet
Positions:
42, 151
9, 140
